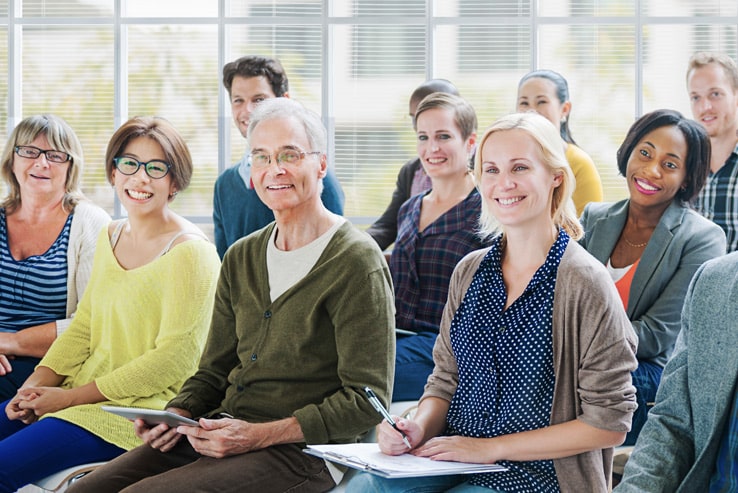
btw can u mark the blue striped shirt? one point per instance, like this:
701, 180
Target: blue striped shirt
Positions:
33, 291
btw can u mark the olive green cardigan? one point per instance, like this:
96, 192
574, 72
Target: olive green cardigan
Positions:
309, 353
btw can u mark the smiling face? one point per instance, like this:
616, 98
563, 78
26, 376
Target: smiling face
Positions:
283, 187
38, 176
441, 148
539, 95
246, 93
714, 101
656, 167
516, 186
139, 193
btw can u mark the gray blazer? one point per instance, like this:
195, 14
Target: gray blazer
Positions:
677, 448
682, 241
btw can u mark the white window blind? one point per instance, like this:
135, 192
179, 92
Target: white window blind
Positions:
98, 62
63, 8
68, 70
172, 72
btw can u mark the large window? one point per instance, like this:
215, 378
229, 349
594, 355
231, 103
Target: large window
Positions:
98, 62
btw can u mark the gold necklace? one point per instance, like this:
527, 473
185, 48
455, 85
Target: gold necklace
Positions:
635, 245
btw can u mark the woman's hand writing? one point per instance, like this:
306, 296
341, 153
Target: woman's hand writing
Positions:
390, 440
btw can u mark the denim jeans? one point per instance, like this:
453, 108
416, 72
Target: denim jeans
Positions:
368, 483
32, 452
23, 366
646, 379
413, 365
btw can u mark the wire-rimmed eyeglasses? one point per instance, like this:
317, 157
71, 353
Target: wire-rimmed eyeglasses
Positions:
287, 157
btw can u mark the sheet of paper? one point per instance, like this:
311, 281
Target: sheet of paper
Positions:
368, 457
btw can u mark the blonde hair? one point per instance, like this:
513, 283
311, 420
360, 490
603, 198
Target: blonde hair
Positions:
61, 137
547, 138
704, 58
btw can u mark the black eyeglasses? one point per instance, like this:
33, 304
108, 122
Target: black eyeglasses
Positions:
52, 155
155, 168
287, 157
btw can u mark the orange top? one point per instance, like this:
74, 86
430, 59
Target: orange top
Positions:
623, 284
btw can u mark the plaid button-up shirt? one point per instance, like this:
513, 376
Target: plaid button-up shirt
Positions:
718, 200
422, 261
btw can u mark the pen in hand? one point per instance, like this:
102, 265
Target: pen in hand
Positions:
381, 410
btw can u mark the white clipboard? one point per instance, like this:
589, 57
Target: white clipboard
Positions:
367, 457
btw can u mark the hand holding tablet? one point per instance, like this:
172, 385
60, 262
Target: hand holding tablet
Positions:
151, 417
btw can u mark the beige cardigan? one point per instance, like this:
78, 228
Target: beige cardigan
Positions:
87, 222
593, 349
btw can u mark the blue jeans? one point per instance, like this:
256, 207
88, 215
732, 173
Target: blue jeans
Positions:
23, 366
29, 453
368, 483
413, 364
646, 379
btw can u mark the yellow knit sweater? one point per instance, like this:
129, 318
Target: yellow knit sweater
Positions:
137, 333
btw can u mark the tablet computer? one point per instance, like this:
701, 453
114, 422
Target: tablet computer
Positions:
151, 416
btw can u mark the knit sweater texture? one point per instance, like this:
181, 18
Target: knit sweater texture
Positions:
593, 355
309, 353
137, 334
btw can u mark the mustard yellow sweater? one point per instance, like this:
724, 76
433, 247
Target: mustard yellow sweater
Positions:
589, 184
137, 333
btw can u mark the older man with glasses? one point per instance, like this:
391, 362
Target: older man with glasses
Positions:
303, 320
237, 208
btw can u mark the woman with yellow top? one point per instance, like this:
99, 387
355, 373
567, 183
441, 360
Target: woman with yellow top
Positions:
139, 328
652, 243
547, 93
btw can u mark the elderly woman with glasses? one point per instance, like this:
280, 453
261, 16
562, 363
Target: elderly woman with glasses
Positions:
48, 232
139, 329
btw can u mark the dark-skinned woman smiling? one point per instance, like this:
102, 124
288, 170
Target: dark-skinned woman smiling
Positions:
652, 243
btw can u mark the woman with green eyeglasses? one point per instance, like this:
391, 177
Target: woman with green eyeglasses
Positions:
48, 232
140, 327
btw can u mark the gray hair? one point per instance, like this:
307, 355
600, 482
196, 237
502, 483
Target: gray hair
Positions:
285, 108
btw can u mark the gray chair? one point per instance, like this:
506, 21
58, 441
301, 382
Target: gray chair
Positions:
61, 480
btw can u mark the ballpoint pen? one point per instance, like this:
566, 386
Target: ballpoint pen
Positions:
381, 410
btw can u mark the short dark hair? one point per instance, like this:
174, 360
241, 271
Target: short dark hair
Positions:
161, 131
698, 148
433, 85
562, 94
254, 66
